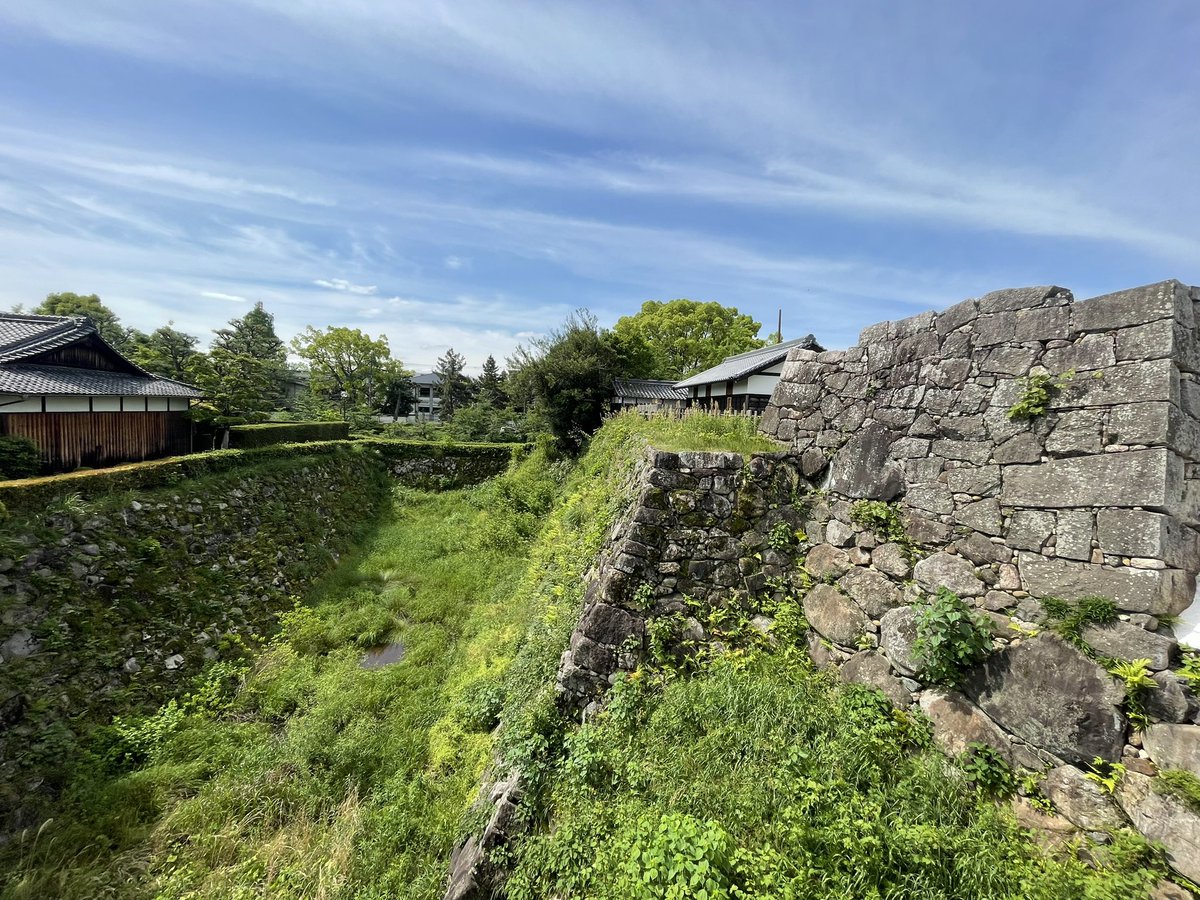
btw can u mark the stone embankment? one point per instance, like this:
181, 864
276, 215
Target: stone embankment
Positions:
1034, 449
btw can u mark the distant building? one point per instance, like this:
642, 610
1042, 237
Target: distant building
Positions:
427, 404
80, 401
742, 383
646, 394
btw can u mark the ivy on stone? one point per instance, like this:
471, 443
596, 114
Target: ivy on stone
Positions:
951, 637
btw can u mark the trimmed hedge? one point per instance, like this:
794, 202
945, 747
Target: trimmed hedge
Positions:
244, 437
33, 495
19, 457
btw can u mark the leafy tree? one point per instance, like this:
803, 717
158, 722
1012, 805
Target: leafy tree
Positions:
397, 395
490, 384
569, 375
165, 351
453, 387
482, 421
345, 360
253, 335
236, 387
90, 305
675, 339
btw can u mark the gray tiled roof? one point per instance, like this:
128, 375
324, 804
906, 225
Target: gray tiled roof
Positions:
24, 336
646, 389
734, 367
19, 378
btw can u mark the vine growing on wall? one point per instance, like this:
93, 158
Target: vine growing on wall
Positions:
1037, 390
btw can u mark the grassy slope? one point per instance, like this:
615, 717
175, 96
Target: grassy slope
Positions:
297, 773
316, 778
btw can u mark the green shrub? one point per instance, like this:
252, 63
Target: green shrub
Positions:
243, 437
19, 457
987, 770
951, 637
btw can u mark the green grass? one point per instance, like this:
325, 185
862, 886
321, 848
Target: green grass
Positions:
695, 430
761, 778
308, 776
301, 775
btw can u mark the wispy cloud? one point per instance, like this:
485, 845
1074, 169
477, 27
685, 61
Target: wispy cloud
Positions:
218, 295
340, 284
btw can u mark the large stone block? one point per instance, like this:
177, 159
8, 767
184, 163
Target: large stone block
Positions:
872, 669
1174, 746
834, 615
1164, 819
1154, 591
949, 571
1080, 800
861, 468
1029, 529
1139, 532
1090, 352
982, 516
897, 634
1136, 306
958, 723
1049, 694
1149, 478
1121, 640
1024, 298
871, 590
1155, 379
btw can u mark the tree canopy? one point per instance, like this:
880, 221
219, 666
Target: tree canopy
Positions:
165, 351
237, 388
345, 359
678, 338
252, 335
67, 303
569, 374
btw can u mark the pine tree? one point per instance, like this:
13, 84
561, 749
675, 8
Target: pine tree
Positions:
491, 383
252, 335
452, 386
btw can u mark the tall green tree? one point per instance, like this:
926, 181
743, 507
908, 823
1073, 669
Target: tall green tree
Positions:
252, 335
345, 360
490, 384
675, 339
67, 303
236, 387
165, 351
569, 375
453, 387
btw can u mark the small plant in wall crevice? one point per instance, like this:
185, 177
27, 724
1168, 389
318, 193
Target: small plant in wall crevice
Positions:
951, 637
1037, 390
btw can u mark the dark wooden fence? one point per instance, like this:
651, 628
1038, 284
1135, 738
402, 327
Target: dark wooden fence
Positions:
70, 440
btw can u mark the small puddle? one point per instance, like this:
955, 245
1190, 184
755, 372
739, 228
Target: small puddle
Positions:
378, 657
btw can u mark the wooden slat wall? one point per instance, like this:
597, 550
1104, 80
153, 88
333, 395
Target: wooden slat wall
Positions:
71, 440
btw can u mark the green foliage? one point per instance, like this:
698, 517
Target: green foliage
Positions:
951, 637
769, 780
1068, 619
269, 433
346, 361
693, 430
1106, 774
1036, 393
1183, 786
1189, 669
1135, 675
885, 521
483, 422
165, 351
781, 536
675, 339
253, 335
987, 770
237, 389
568, 375
19, 457
453, 388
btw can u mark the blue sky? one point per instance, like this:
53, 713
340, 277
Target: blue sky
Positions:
467, 173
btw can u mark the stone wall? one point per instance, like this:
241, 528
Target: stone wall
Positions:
1095, 497
698, 534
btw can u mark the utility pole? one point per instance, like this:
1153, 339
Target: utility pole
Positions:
779, 328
